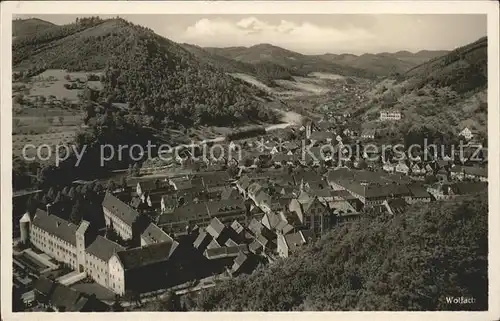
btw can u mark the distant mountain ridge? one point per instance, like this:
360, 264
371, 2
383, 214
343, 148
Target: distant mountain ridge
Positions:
381, 64
297, 62
283, 63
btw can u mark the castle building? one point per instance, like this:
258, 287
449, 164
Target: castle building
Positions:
106, 262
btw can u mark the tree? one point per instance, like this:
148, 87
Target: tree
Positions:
76, 214
98, 189
17, 301
133, 296
123, 182
111, 186
136, 170
31, 205
72, 193
19, 99
51, 194
117, 306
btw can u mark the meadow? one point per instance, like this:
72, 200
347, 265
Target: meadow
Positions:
45, 111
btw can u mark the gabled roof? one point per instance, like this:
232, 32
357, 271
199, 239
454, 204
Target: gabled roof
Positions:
65, 297
342, 207
119, 209
214, 178
476, 171
237, 227
295, 240
184, 213
338, 174
56, 226
418, 191
262, 197
229, 193
213, 244
215, 228
244, 182
44, 285
466, 188
254, 188
321, 135
228, 205
230, 242
255, 226
342, 194
146, 255
154, 234
68, 298
397, 205
239, 261
457, 169
223, 252
307, 176
136, 202
154, 184
103, 249
261, 239
254, 246
202, 239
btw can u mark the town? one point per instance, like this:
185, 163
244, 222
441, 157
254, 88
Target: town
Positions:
188, 231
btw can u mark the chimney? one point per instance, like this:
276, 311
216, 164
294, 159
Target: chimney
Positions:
48, 208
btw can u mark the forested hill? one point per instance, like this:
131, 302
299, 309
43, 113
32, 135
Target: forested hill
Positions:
25, 27
155, 75
464, 69
445, 94
266, 72
409, 262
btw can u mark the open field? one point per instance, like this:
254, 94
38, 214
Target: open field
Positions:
252, 80
325, 75
318, 83
35, 121
51, 82
41, 142
44, 106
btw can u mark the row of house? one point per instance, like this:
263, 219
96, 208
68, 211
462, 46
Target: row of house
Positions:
60, 298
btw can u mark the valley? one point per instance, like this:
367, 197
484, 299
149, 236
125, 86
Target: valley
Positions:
243, 178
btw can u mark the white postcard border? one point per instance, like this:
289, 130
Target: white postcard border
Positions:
10, 8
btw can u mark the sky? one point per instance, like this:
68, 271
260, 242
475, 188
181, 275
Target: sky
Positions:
315, 34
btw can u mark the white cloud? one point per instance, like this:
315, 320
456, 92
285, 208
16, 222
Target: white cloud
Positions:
306, 37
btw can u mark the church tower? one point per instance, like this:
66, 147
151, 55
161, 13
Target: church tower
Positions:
80, 245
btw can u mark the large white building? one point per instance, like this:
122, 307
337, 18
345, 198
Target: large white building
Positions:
467, 133
119, 216
106, 262
390, 115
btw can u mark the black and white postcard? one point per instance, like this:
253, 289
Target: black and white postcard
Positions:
271, 156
